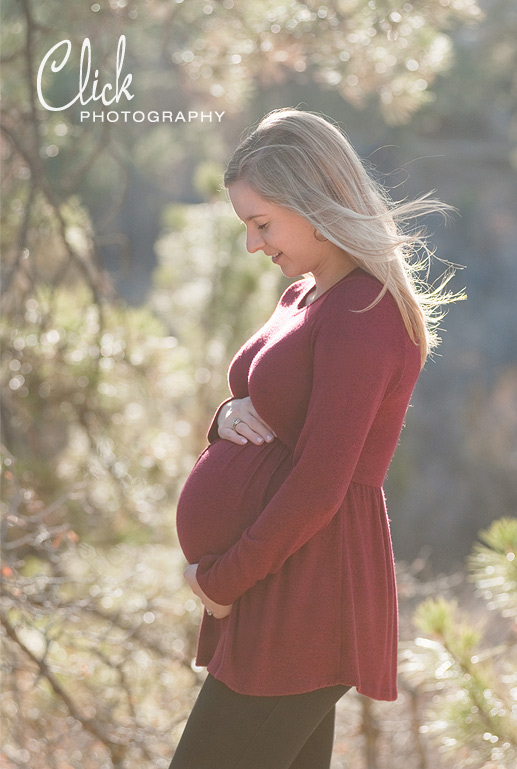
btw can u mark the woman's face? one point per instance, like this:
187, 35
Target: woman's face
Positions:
285, 236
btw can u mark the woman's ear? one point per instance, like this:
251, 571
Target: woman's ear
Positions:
321, 238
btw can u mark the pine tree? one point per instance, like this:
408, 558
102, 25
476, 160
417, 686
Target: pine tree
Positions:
473, 681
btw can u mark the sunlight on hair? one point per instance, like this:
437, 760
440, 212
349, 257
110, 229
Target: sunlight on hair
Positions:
302, 161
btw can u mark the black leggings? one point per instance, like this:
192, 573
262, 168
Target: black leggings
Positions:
227, 730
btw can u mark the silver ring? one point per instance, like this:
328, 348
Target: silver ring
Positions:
236, 422
210, 614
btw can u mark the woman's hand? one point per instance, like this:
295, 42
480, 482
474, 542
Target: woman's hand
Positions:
239, 422
218, 610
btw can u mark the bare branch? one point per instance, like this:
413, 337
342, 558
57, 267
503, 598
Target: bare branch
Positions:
22, 241
117, 747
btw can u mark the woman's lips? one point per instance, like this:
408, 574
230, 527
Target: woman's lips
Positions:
276, 256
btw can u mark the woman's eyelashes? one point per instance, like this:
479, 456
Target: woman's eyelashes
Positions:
262, 226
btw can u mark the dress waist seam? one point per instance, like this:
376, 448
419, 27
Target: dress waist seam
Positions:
363, 482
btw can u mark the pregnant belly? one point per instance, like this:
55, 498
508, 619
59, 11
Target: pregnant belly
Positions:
226, 491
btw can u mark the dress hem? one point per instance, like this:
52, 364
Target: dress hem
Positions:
305, 688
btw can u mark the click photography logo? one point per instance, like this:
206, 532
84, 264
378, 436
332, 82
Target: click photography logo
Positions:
116, 96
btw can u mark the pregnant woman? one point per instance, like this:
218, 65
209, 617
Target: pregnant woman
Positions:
283, 518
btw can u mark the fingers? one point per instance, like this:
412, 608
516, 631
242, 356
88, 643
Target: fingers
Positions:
258, 425
229, 434
242, 432
253, 430
240, 423
217, 610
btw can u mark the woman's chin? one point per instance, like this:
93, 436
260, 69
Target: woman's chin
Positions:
288, 273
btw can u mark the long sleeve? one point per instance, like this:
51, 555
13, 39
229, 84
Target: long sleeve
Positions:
357, 358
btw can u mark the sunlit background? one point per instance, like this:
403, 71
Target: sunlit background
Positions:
126, 290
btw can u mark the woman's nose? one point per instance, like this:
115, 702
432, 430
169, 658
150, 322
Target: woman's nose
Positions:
254, 242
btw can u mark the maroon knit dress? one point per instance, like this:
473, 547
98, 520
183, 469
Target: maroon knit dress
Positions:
295, 533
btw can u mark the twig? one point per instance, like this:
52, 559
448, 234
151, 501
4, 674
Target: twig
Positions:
370, 730
22, 241
416, 723
116, 747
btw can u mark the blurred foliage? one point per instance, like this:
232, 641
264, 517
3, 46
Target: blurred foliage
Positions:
97, 643
220, 53
196, 55
97, 399
473, 713
210, 292
493, 567
93, 407
479, 98
104, 412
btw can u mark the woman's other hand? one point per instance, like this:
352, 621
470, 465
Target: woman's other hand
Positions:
239, 422
216, 609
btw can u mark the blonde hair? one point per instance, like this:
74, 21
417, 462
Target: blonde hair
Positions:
299, 160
